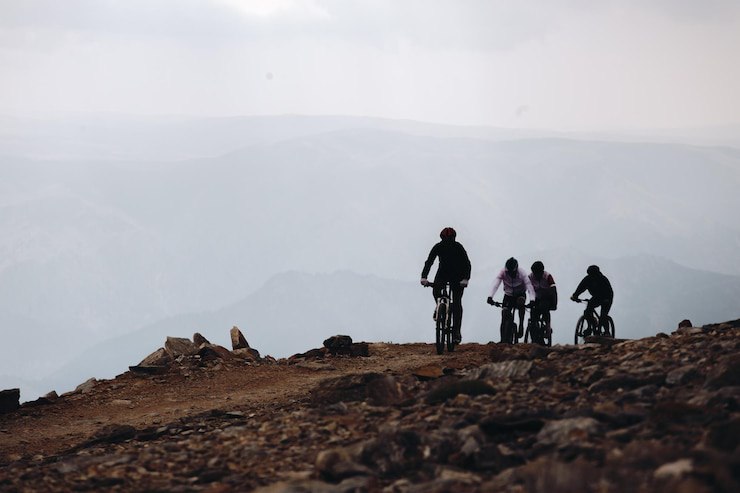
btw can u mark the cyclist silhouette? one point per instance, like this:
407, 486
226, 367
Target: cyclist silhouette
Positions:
454, 267
516, 284
600, 289
546, 294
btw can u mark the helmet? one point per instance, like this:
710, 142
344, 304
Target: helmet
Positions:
448, 233
512, 264
538, 267
593, 270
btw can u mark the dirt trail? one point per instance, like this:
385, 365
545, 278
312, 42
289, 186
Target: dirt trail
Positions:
146, 401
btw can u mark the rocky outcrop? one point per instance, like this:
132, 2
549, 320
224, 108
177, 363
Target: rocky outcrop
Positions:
238, 341
9, 400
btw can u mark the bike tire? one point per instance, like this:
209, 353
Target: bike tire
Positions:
528, 333
610, 326
514, 338
440, 329
450, 339
546, 336
580, 326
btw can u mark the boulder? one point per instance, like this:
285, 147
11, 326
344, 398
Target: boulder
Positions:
212, 352
338, 344
248, 353
160, 357
563, 432
179, 346
238, 341
376, 388
9, 400
199, 340
684, 323
86, 386
359, 349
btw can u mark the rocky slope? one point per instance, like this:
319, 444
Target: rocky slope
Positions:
655, 414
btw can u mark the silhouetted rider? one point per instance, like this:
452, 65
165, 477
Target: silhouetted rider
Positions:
516, 284
454, 267
601, 292
546, 294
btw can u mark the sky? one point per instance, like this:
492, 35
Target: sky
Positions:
555, 64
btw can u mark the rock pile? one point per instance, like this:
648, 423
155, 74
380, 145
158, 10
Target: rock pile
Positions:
658, 414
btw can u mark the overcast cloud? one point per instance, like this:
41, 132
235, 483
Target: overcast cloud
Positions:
573, 64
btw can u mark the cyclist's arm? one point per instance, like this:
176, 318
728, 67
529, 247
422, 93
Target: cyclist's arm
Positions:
466, 263
496, 284
581, 288
530, 288
430, 260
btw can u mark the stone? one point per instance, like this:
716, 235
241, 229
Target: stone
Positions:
317, 353
247, 353
87, 386
113, 433
724, 436
338, 344
238, 341
567, 431
688, 331
674, 470
338, 464
726, 374
52, 396
430, 372
449, 390
682, 375
212, 352
376, 388
359, 349
160, 357
684, 323
512, 369
179, 346
9, 400
199, 340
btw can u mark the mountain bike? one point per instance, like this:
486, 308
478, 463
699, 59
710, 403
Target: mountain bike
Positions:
443, 319
591, 323
508, 326
537, 327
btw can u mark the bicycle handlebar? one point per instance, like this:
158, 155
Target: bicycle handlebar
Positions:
584, 300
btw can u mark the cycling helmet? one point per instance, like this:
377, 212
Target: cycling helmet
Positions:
512, 264
593, 270
538, 267
448, 233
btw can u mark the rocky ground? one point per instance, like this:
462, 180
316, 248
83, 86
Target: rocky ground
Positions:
656, 414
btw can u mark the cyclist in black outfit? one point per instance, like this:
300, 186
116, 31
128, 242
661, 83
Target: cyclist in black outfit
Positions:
600, 289
454, 267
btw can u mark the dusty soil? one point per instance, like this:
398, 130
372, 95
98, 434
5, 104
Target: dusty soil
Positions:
144, 401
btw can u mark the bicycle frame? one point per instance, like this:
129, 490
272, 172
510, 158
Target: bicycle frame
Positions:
443, 329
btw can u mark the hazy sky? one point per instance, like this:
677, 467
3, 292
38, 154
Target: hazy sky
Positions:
561, 64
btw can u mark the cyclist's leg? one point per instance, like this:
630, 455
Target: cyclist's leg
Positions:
606, 305
436, 293
507, 313
522, 312
591, 314
457, 311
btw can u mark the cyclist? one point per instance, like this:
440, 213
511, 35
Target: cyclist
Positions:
601, 292
454, 267
516, 284
546, 293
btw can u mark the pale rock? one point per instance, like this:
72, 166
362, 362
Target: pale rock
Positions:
674, 469
238, 341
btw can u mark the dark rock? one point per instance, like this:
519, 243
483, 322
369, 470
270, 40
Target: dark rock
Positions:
567, 431
724, 436
199, 340
318, 353
9, 400
726, 374
375, 388
113, 434
340, 463
603, 340
360, 349
682, 375
238, 341
448, 390
179, 346
338, 344
212, 352
148, 370
507, 423
684, 323
626, 382
430, 372
249, 354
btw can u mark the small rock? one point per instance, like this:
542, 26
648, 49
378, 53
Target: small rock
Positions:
430, 372
684, 323
247, 353
449, 390
121, 402
337, 464
338, 344
513, 369
238, 341
376, 388
674, 470
566, 431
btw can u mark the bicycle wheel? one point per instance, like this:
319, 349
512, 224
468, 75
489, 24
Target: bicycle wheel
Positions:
450, 340
580, 328
529, 331
441, 318
513, 331
610, 327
